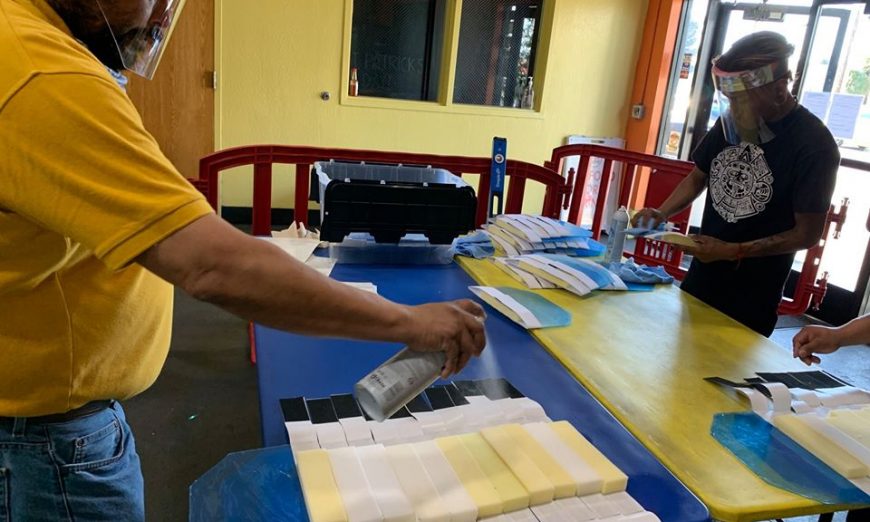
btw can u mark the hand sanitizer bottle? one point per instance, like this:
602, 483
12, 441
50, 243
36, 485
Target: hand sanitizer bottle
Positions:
393, 384
616, 236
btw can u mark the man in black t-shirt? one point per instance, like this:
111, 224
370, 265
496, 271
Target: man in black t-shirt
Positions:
769, 167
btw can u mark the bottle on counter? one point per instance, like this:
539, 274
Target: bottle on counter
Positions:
529, 94
616, 236
353, 87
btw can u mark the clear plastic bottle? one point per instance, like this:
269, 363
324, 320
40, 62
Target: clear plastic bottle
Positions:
353, 87
529, 94
393, 384
616, 236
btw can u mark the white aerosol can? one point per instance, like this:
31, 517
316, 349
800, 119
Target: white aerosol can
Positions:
393, 384
616, 236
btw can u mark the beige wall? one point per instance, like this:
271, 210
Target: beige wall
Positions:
275, 57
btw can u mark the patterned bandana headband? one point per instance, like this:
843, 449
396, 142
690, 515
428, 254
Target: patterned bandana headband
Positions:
732, 82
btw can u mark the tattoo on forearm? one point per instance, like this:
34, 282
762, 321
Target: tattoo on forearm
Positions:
784, 243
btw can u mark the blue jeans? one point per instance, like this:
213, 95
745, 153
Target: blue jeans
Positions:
84, 469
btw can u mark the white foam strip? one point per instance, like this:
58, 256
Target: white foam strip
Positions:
549, 513
531, 410
356, 431
303, 433
416, 484
807, 396
780, 395
644, 516
523, 515
409, 430
625, 503
757, 401
575, 509
385, 487
330, 435
511, 410
600, 505
386, 432
359, 503
430, 423
847, 443
843, 396
460, 504
801, 407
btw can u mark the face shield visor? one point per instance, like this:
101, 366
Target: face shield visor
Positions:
741, 102
142, 38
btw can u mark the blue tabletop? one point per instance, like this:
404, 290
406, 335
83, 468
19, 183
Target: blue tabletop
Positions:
291, 366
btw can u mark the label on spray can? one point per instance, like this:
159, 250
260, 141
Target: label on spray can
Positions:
393, 384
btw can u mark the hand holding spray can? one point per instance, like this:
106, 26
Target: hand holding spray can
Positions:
393, 384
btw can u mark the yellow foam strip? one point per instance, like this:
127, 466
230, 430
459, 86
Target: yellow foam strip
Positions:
585, 478
855, 423
832, 455
472, 477
539, 487
563, 483
319, 488
614, 479
513, 495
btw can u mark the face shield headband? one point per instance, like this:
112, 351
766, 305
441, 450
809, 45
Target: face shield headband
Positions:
141, 47
741, 121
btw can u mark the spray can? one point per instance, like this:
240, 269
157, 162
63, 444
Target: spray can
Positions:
393, 384
616, 236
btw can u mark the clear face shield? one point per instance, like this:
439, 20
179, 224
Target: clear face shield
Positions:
741, 102
143, 36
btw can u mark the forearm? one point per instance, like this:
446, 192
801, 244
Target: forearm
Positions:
267, 286
787, 242
684, 194
259, 282
806, 233
856, 331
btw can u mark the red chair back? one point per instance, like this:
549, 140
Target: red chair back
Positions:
262, 157
664, 175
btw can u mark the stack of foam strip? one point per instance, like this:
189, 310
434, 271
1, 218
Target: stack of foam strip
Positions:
452, 409
453, 459
516, 234
831, 423
578, 276
537, 472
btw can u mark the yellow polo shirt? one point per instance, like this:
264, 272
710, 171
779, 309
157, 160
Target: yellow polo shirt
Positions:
84, 189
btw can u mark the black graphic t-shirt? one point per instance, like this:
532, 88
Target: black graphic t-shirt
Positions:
754, 191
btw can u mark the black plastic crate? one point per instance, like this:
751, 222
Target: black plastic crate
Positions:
389, 201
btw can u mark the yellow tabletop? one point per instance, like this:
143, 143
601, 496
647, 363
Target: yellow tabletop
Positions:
644, 355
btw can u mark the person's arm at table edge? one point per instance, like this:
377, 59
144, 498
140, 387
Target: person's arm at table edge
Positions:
214, 262
822, 339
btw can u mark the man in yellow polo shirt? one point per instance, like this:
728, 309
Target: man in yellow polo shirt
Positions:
95, 227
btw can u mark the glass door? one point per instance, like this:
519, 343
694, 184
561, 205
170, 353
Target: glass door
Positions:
835, 86
832, 78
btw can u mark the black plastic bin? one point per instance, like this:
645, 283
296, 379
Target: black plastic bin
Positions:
389, 201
